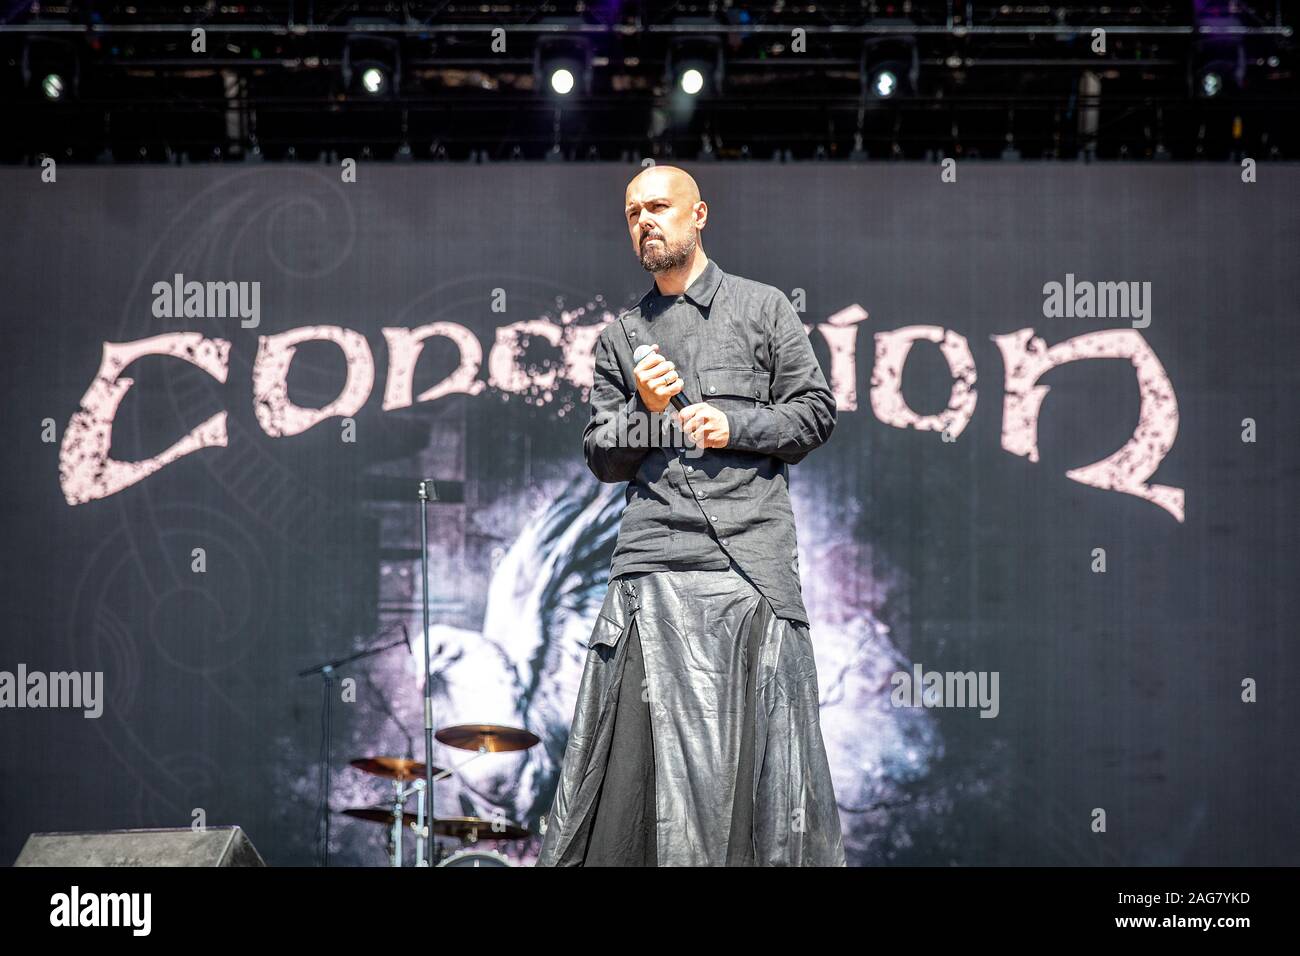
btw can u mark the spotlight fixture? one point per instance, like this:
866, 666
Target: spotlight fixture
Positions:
562, 65
561, 80
694, 62
884, 83
1219, 52
52, 86
1219, 78
50, 68
372, 65
889, 67
373, 80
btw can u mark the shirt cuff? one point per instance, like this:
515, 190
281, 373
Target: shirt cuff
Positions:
753, 429
632, 409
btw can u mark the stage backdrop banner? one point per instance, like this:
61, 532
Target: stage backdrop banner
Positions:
1049, 552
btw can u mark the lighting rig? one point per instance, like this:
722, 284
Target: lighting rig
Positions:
621, 80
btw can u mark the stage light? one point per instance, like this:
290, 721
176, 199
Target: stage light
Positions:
692, 81
1219, 78
889, 68
373, 80
365, 123
562, 63
372, 65
562, 81
51, 68
1219, 51
693, 66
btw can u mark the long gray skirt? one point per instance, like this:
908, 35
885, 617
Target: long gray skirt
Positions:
696, 738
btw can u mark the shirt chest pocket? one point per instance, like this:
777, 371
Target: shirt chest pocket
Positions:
733, 387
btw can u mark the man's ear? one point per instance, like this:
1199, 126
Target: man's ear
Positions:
701, 214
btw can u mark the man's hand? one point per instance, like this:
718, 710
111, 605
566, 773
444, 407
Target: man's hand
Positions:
705, 425
657, 380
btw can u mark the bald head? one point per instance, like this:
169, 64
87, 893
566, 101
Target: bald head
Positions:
665, 216
670, 179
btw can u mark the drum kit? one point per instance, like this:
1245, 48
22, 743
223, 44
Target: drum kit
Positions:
409, 778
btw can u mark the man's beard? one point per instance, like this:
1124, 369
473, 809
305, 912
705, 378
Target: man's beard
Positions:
664, 257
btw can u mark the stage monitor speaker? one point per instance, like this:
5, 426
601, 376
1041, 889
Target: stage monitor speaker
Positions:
214, 846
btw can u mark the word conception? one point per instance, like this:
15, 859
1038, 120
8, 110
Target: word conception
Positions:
87, 471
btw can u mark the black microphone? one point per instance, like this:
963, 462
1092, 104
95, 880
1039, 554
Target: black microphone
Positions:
680, 401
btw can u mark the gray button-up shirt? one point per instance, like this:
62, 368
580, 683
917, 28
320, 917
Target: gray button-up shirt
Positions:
740, 346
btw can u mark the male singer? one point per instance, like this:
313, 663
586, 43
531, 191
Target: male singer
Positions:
695, 740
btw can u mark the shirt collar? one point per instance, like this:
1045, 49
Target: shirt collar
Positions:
703, 289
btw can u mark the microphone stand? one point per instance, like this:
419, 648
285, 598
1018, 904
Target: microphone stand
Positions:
427, 493
327, 689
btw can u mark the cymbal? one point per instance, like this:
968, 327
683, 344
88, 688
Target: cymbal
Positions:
491, 737
379, 815
475, 828
394, 768
465, 829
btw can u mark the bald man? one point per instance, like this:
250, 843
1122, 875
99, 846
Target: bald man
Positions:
695, 740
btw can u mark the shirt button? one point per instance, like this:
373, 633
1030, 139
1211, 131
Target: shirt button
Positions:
713, 517
681, 298
724, 542
690, 469
713, 389
701, 494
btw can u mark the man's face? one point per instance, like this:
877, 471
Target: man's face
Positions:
661, 221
